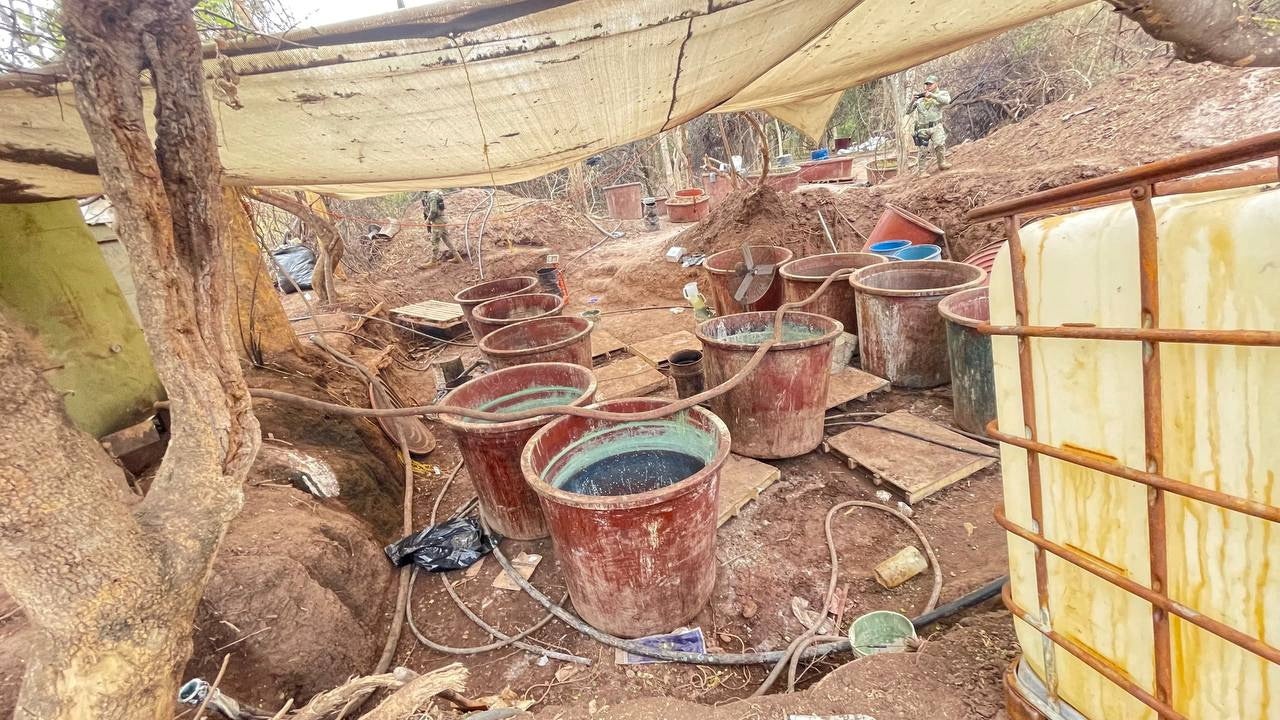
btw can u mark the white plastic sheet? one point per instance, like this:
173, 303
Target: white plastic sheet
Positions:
478, 91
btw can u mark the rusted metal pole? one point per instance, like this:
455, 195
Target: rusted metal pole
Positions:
1266, 338
1035, 495
1258, 146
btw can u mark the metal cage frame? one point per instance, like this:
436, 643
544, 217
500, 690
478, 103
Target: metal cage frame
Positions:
1138, 186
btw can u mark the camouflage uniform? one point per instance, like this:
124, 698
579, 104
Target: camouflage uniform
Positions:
929, 131
433, 212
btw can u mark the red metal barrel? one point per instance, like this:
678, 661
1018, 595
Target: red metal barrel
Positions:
623, 201
722, 280
480, 292
778, 410
548, 339
493, 314
800, 278
491, 450
632, 510
902, 337
973, 382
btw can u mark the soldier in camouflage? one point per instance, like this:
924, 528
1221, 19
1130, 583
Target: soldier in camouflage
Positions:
433, 212
929, 132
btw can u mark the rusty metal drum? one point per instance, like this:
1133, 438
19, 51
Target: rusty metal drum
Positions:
722, 279
632, 510
493, 314
491, 450
548, 339
801, 277
902, 337
480, 292
973, 382
777, 410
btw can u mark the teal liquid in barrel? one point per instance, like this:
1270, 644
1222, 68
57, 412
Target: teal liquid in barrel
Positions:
633, 472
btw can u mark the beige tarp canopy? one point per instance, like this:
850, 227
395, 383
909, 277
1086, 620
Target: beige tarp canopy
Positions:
470, 92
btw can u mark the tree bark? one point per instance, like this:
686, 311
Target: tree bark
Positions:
113, 588
260, 323
1226, 32
328, 241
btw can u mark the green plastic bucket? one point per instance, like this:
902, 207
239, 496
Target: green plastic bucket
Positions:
882, 631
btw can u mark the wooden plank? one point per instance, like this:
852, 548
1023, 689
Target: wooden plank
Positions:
851, 384
914, 468
602, 343
436, 313
741, 481
632, 377
656, 350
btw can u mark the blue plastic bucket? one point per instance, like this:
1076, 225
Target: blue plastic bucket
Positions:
819, 154
919, 252
888, 247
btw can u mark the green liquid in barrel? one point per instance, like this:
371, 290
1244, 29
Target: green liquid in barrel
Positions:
632, 472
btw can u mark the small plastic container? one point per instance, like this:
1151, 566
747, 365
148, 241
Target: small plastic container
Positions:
882, 631
888, 247
919, 252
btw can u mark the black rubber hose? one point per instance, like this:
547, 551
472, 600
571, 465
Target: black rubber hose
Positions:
964, 602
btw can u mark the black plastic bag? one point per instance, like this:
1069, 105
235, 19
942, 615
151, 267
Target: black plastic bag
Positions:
293, 265
452, 545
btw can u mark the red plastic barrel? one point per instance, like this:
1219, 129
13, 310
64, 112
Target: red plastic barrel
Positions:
491, 450
801, 277
778, 410
493, 314
623, 201
480, 292
722, 280
903, 338
896, 223
548, 339
632, 510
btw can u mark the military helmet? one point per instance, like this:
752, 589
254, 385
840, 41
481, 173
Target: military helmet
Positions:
931, 80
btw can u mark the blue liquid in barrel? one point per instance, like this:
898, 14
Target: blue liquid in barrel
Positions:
633, 472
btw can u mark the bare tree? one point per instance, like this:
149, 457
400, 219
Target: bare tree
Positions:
110, 582
1227, 32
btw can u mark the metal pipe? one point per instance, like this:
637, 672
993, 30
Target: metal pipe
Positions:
1157, 599
1089, 657
1250, 338
1241, 151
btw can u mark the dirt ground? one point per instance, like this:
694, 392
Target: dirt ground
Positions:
302, 594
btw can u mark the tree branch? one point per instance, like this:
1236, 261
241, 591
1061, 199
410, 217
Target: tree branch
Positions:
1219, 31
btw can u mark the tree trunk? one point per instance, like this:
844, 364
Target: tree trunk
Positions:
260, 323
1227, 32
113, 587
328, 241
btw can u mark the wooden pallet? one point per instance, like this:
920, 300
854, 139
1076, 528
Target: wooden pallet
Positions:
914, 468
602, 343
631, 377
432, 313
851, 384
658, 349
741, 481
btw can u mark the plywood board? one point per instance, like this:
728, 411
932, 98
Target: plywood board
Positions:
435, 313
915, 468
631, 377
602, 343
658, 349
851, 384
741, 481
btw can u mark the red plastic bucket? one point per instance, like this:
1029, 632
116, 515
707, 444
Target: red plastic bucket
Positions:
491, 315
632, 509
722, 281
896, 223
478, 293
777, 411
548, 339
801, 277
491, 450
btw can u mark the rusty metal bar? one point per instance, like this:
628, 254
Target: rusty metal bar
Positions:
1253, 508
1259, 146
1252, 338
1159, 600
1017, 268
1090, 658
1153, 433
1206, 183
